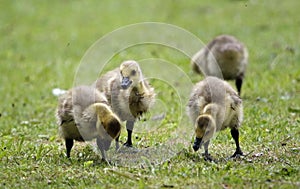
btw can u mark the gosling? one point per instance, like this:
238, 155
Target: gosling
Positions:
83, 114
230, 55
129, 94
214, 106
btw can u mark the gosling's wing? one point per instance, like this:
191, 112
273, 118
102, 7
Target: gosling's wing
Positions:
195, 107
245, 59
236, 99
107, 82
235, 108
89, 114
83, 102
198, 100
148, 95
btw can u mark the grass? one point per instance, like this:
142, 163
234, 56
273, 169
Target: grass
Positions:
43, 43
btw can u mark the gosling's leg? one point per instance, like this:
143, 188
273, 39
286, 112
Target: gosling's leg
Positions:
235, 135
101, 148
207, 156
117, 143
238, 84
69, 145
129, 127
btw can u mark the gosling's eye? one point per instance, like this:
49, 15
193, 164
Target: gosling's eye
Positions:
133, 72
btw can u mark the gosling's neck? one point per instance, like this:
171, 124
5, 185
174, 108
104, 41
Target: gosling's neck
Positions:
211, 109
140, 88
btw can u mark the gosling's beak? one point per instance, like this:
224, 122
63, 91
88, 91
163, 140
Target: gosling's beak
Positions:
197, 144
126, 82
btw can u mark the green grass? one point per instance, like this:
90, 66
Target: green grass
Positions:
42, 44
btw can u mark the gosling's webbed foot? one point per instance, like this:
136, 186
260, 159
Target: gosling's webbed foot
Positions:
208, 157
128, 144
128, 150
237, 154
105, 161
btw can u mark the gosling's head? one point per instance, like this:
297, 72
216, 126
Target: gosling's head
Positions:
205, 128
232, 51
113, 128
111, 124
131, 74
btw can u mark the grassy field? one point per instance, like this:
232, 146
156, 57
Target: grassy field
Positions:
42, 45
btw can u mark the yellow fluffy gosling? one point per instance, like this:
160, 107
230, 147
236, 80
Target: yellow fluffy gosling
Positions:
83, 114
129, 94
214, 106
230, 55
